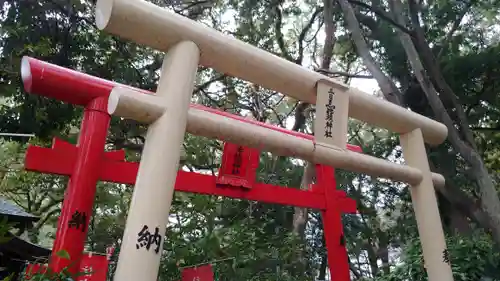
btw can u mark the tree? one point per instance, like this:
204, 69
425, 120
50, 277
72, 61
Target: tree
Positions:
446, 107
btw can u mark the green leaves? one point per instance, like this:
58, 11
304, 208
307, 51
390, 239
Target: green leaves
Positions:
50, 275
63, 254
471, 257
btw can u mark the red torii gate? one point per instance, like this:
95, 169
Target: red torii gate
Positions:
87, 163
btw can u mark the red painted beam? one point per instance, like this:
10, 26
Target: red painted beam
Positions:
63, 84
113, 169
74, 87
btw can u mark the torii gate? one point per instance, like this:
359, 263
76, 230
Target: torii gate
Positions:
87, 163
189, 44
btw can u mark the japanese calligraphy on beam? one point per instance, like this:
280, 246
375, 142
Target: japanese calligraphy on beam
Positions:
78, 221
140, 253
132, 104
146, 239
95, 266
239, 166
332, 109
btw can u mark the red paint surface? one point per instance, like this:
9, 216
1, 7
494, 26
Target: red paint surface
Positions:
323, 196
242, 174
96, 264
336, 205
63, 84
34, 269
201, 273
63, 159
80, 193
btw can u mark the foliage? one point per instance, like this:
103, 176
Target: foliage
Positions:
472, 259
50, 275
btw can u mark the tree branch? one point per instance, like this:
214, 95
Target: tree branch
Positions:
46, 217
278, 24
207, 83
489, 196
382, 14
493, 129
454, 27
436, 77
330, 29
345, 74
460, 200
391, 92
303, 34
355, 271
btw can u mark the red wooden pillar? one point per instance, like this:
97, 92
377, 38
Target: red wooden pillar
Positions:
79, 197
337, 203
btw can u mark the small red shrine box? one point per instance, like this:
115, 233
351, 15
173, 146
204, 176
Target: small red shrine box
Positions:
96, 266
201, 273
239, 166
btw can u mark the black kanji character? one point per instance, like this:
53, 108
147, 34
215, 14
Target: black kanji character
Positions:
330, 97
328, 134
78, 220
330, 109
446, 256
237, 161
146, 239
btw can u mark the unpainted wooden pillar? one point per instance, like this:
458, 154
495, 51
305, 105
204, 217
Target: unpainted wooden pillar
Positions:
430, 229
142, 243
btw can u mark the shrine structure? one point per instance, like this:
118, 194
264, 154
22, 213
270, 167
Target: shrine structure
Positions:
169, 115
88, 160
189, 44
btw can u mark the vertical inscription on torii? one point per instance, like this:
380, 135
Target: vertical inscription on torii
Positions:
330, 110
146, 239
237, 162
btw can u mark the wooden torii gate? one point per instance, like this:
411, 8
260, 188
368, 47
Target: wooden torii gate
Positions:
87, 163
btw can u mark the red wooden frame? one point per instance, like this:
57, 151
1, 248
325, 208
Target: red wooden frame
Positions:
115, 169
87, 163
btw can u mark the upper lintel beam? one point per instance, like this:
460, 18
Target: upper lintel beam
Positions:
150, 25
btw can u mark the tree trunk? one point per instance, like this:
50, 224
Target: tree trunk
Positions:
330, 29
323, 267
489, 197
389, 89
300, 214
454, 195
383, 252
